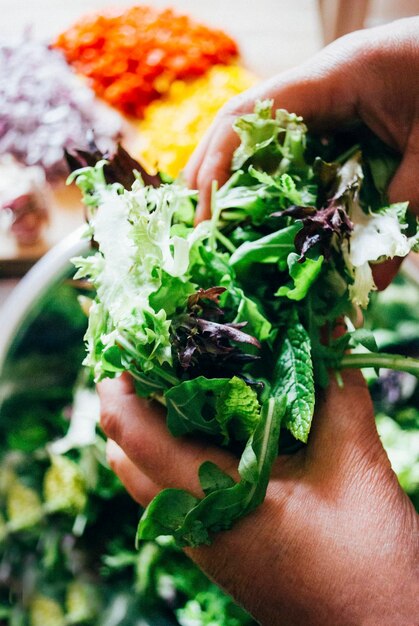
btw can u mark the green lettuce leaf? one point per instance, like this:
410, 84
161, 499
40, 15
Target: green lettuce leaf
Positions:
270, 144
303, 274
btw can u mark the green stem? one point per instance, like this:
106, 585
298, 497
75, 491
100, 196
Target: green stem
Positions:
377, 360
157, 369
215, 216
226, 242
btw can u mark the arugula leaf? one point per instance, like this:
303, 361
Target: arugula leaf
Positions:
303, 274
212, 478
283, 184
293, 376
269, 249
165, 513
191, 406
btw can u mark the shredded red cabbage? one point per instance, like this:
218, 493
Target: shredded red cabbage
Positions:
45, 108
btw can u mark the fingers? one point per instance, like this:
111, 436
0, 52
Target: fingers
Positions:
139, 427
343, 423
138, 485
212, 161
384, 273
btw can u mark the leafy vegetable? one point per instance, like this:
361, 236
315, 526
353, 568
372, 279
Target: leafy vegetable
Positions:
230, 324
191, 520
294, 374
67, 551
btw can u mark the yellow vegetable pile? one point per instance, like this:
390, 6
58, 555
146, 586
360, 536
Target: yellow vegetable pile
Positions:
173, 126
167, 72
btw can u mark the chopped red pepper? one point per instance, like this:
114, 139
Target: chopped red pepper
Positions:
132, 57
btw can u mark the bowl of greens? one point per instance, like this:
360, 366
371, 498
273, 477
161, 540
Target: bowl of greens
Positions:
67, 526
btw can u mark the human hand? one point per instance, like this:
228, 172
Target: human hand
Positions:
370, 76
336, 539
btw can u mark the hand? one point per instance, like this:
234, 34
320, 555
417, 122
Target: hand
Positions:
336, 539
371, 75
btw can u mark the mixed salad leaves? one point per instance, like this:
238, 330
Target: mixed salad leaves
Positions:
67, 554
230, 324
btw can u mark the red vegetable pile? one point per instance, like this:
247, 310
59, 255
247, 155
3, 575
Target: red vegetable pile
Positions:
132, 57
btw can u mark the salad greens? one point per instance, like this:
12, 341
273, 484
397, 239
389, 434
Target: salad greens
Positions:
243, 305
67, 554
69, 566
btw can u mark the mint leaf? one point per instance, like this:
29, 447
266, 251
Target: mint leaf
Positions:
293, 376
237, 409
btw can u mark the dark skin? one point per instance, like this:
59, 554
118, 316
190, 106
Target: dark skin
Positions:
336, 540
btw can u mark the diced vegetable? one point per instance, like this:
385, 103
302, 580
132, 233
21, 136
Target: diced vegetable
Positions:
46, 108
132, 56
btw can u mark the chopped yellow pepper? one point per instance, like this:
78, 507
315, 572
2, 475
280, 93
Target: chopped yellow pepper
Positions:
173, 126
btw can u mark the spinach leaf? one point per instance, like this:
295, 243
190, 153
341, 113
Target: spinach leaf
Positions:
191, 406
269, 249
250, 311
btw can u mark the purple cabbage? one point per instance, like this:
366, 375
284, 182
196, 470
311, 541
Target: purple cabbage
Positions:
45, 108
